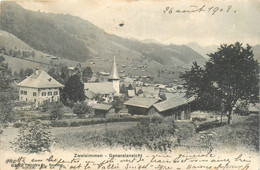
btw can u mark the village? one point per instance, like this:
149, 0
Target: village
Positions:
94, 80
108, 106
140, 98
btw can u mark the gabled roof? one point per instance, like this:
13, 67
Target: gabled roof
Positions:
114, 73
141, 102
40, 79
100, 106
173, 102
100, 87
254, 107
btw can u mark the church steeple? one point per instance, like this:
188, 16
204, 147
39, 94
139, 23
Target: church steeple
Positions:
114, 78
113, 74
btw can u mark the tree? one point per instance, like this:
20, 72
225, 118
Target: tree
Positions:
118, 103
6, 107
33, 55
28, 72
123, 89
2, 59
231, 74
56, 110
34, 137
64, 73
87, 73
80, 109
130, 87
73, 90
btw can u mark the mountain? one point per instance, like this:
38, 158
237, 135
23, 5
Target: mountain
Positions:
203, 50
18, 54
76, 39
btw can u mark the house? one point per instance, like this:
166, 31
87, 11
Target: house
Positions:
140, 105
104, 90
101, 109
39, 87
54, 58
178, 106
250, 108
130, 93
254, 108
149, 92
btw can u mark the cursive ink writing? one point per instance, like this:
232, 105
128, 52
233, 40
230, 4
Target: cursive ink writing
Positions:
199, 9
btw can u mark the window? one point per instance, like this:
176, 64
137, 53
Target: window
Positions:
55, 93
21, 92
21, 98
26, 100
25, 92
43, 93
49, 93
34, 93
34, 100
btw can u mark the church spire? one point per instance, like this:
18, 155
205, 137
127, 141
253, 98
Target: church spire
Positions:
113, 74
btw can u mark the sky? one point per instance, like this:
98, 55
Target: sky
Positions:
220, 21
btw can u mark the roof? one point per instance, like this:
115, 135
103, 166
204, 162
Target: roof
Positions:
149, 89
254, 107
169, 95
141, 102
114, 73
173, 102
89, 94
131, 93
100, 87
100, 106
40, 79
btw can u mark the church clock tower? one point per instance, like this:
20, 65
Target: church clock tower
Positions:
114, 78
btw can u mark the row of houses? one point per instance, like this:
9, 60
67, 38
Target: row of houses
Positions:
40, 87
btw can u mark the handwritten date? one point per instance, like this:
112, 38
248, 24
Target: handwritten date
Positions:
199, 9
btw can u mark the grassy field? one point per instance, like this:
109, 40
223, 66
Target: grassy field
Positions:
67, 137
241, 135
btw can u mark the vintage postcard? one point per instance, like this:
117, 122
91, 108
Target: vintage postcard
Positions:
129, 84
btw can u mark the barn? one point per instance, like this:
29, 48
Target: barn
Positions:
178, 106
140, 105
101, 110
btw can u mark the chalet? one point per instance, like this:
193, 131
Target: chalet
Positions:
101, 109
140, 105
149, 92
178, 106
38, 87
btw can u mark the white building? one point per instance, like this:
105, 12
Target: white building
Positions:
107, 90
39, 87
114, 78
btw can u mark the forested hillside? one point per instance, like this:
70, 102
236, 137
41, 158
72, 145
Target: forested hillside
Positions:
73, 38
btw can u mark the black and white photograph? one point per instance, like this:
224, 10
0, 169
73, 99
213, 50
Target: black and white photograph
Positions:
129, 84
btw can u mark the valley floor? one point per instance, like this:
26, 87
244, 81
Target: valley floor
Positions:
242, 135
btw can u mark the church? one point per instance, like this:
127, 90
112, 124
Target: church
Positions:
104, 91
